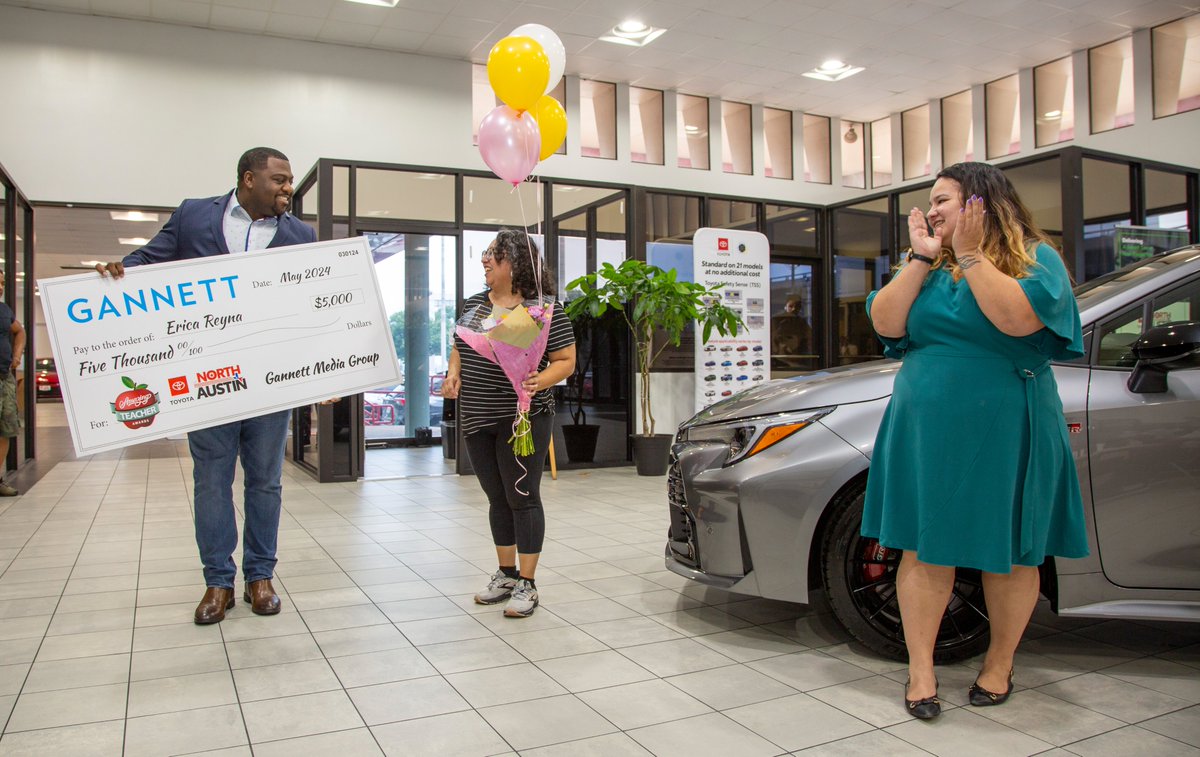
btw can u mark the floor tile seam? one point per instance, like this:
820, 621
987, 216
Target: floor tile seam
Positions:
783, 751
45, 635
1039, 689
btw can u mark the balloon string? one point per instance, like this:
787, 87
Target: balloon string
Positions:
534, 260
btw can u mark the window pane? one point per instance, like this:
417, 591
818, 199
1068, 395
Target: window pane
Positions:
792, 234
404, 194
1054, 102
598, 118
881, 152
853, 168
1110, 73
816, 150
1039, 185
1117, 338
1166, 201
1176, 66
958, 129
733, 214
777, 134
1177, 306
1106, 208
493, 202
646, 125
671, 218
914, 128
735, 138
691, 116
1001, 101
861, 261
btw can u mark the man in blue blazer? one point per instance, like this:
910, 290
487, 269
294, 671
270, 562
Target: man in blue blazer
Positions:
251, 217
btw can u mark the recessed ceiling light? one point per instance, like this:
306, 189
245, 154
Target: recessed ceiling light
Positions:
380, 3
135, 241
632, 33
692, 129
133, 215
833, 70
1052, 114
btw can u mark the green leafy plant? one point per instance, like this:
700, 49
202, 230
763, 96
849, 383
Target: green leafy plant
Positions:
651, 299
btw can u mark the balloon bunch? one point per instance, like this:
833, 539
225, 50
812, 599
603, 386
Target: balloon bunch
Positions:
531, 125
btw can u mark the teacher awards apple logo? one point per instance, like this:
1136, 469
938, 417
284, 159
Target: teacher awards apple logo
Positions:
137, 407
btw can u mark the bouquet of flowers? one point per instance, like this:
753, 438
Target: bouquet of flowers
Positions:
515, 340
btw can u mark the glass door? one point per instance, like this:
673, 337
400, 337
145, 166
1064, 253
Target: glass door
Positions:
417, 273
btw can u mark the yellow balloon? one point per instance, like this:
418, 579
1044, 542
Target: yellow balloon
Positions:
552, 122
519, 70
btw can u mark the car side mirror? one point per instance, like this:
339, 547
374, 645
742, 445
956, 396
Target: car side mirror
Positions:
1160, 350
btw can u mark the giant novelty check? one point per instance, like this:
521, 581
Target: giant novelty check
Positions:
174, 347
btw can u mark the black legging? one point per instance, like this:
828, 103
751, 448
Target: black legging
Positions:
515, 518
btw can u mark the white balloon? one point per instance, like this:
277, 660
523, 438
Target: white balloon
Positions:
553, 47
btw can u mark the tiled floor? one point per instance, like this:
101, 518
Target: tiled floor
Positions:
379, 648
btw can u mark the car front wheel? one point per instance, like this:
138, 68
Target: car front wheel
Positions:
859, 576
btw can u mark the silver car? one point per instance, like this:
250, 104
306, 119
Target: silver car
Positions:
766, 487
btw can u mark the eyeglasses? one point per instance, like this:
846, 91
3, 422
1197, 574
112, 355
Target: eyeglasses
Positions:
491, 254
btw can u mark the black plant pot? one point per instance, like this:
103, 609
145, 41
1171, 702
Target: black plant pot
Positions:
581, 442
652, 454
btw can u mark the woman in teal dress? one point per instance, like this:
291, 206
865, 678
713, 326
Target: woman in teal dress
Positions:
972, 466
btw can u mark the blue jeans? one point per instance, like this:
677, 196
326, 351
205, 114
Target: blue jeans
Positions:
261, 442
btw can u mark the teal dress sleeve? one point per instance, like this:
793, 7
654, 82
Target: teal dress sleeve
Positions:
1048, 288
892, 347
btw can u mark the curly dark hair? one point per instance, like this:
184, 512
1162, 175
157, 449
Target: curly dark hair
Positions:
515, 245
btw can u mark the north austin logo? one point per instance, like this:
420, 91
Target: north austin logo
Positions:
219, 381
136, 407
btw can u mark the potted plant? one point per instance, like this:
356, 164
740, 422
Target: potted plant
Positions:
651, 301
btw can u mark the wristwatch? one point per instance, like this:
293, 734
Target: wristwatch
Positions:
917, 256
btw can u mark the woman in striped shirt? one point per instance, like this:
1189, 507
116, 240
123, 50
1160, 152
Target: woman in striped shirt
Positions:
487, 407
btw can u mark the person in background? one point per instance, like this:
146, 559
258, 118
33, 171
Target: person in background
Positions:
253, 216
12, 347
972, 466
487, 406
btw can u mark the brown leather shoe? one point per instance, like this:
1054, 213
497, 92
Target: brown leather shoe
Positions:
262, 597
212, 608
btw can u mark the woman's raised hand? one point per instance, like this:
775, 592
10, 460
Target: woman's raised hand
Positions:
968, 232
922, 242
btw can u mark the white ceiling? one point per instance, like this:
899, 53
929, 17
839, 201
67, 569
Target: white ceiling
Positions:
747, 50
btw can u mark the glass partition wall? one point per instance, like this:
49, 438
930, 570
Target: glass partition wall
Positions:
428, 226
427, 229
16, 243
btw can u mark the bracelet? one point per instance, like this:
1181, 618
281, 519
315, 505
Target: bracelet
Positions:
912, 255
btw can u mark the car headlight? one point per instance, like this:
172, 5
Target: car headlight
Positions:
746, 437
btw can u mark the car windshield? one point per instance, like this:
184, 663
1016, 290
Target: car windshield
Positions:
1101, 287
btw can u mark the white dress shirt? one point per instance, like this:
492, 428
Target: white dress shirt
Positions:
242, 233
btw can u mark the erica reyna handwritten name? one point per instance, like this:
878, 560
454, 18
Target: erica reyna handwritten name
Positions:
179, 295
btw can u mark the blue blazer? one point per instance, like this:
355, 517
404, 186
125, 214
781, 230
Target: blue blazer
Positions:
195, 230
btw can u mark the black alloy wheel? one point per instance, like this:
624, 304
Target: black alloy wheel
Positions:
859, 577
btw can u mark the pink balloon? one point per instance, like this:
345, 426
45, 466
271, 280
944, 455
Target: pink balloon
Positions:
510, 143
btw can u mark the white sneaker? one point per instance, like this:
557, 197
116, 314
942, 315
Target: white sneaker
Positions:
7, 491
497, 589
523, 601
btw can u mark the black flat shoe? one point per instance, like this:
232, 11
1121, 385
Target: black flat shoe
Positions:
981, 697
923, 709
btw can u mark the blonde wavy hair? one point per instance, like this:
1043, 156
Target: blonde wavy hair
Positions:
1010, 237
